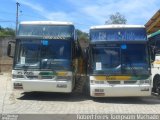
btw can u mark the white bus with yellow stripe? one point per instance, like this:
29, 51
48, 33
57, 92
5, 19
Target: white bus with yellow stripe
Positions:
154, 40
118, 61
45, 56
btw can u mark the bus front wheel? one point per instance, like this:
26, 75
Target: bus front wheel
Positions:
156, 84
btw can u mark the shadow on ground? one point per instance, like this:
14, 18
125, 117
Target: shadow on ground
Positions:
130, 100
44, 96
77, 97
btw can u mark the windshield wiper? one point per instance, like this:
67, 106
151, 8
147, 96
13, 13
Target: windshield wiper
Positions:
25, 67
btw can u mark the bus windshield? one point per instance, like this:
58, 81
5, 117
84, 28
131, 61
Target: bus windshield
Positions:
122, 59
118, 34
57, 31
43, 54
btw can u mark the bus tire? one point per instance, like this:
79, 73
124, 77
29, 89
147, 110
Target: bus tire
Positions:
156, 84
158, 87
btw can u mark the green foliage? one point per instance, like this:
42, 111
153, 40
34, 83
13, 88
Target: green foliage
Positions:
82, 35
116, 18
6, 32
83, 38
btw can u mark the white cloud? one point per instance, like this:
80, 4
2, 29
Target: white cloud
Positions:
136, 11
57, 16
36, 6
88, 12
74, 16
61, 16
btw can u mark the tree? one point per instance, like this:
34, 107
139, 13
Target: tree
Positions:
116, 18
83, 38
6, 32
82, 35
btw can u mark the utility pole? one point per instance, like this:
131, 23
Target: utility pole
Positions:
17, 14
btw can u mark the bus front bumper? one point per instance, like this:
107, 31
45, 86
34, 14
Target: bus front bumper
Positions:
43, 85
120, 90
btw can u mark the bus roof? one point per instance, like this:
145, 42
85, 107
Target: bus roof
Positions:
154, 34
46, 23
116, 26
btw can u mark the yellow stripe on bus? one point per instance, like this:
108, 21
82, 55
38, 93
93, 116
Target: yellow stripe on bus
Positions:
110, 77
62, 73
156, 62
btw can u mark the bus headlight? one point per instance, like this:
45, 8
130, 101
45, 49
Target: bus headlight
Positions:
17, 86
148, 81
96, 82
17, 76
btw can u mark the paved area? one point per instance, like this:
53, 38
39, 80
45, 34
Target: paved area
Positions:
17, 102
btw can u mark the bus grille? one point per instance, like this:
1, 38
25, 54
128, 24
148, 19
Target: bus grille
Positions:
46, 77
32, 77
114, 82
130, 82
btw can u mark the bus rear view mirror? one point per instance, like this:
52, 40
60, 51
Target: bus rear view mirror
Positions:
10, 49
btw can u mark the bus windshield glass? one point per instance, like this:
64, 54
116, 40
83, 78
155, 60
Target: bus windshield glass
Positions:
56, 31
122, 59
43, 54
118, 34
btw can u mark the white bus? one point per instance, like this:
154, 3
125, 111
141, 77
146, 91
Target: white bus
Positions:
118, 61
45, 56
154, 40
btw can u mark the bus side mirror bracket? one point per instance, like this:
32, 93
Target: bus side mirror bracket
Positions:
10, 49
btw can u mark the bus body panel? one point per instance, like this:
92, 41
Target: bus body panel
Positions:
120, 90
62, 81
155, 71
45, 85
100, 87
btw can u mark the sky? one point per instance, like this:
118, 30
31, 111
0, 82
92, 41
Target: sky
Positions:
83, 13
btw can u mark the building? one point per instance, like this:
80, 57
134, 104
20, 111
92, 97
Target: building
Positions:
154, 23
